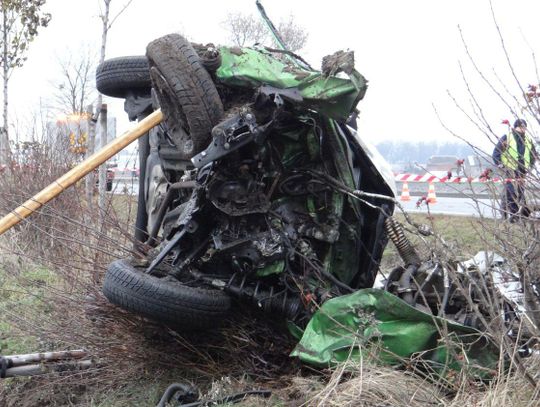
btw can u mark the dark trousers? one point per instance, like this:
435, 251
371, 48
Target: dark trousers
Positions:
514, 199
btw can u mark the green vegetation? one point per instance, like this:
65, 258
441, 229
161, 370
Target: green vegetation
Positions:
22, 298
466, 236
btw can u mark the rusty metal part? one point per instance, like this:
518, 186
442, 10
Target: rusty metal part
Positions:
152, 241
19, 360
405, 288
78, 172
44, 368
402, 243
44, 362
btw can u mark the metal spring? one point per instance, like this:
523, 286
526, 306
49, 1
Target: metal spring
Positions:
403, 245
267, 300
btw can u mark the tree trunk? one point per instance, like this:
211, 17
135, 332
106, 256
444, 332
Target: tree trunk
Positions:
103, 167
91, 131
99, 105
4, 136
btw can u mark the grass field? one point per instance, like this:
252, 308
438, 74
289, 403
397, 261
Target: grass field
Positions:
21, 296
466, 236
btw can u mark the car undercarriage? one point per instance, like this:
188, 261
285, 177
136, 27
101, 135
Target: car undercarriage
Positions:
244, 182
257, 189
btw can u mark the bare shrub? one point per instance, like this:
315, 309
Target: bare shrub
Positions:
518, 243
51, 267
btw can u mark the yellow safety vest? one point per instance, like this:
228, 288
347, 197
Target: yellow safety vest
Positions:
510, 156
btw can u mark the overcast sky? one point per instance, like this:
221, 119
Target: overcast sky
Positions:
408, 50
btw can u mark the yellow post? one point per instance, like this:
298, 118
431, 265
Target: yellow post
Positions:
78, 172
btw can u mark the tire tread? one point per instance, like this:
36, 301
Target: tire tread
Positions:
117, 76
193, 88
165, 301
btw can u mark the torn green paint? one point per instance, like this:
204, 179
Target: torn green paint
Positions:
273, 268
331, 96
372, 320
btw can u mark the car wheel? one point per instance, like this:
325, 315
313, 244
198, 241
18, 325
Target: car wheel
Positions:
187, 96
116, 77
155, 188
164, 299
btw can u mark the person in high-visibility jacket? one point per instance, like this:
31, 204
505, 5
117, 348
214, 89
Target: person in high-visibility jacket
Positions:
515, 154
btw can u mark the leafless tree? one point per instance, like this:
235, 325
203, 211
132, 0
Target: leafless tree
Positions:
107, 22
293, 35
75, 86
248, 29
245, 29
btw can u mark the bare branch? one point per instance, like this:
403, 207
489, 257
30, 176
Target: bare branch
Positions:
246, 30
476, 104
480, 73
119, 13
505, 51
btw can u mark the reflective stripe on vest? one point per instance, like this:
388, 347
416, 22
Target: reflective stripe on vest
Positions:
510, 156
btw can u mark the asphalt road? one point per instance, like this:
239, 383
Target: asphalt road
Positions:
456, 206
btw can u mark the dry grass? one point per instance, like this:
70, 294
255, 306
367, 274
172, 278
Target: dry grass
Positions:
375, 385
367, 384
50, 274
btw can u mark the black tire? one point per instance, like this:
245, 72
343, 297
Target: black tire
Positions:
116, 77
187, 96
164, 300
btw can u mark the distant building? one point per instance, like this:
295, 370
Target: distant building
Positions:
442, 164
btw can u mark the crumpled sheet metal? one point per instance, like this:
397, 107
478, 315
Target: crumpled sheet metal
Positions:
333, 96
504, 277
372, 320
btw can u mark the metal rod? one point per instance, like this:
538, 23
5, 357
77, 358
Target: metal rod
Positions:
19, 360
43, 368
78, 172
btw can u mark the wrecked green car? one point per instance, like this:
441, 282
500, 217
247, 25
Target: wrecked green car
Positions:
247, 188
257, 188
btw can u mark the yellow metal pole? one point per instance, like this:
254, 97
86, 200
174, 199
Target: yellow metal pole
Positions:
78, 172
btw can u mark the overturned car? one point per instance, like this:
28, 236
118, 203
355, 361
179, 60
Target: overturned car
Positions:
256, 188
246, 186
